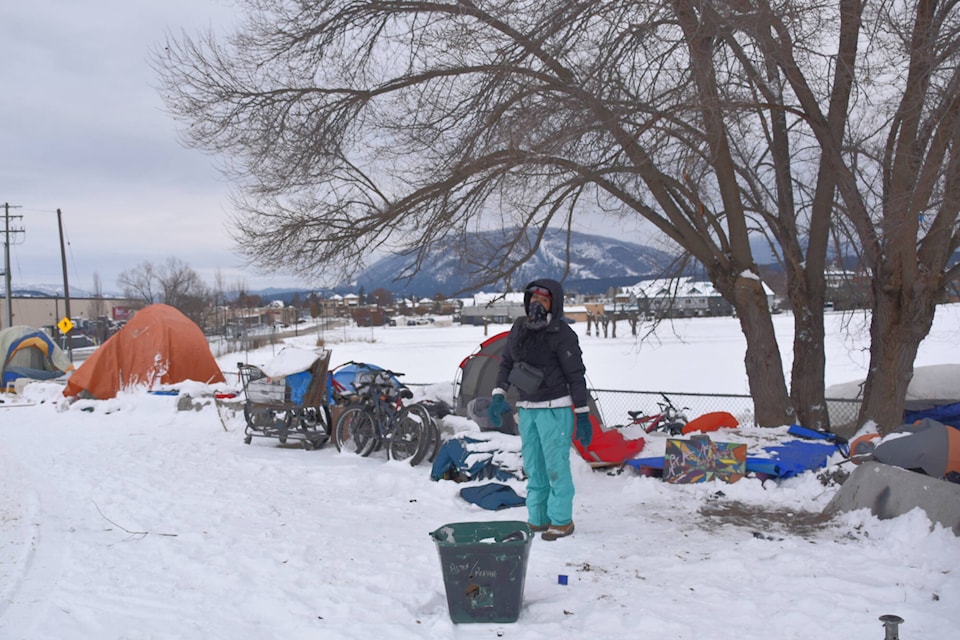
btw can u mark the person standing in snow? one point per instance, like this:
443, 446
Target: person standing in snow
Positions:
542, 359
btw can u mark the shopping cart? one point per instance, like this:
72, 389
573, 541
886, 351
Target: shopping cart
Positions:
286, 400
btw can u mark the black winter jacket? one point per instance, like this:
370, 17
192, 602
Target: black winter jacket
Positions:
555, 350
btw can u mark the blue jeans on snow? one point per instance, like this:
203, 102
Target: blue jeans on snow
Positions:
545, 438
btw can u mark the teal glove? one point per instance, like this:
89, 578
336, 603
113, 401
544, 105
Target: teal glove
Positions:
584, 432
495, 411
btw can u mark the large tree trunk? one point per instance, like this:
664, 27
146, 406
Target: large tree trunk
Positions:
920, 212
899, 324
806, 382
768, 387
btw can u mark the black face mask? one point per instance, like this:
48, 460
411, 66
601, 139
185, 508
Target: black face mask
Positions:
537, 316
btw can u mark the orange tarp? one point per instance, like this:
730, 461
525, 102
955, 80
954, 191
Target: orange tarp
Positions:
711, 422
159, 345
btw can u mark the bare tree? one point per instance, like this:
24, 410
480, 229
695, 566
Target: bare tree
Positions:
906, 220
405, 125
219, 299
184, 289
174, 283
140, 283
98, 308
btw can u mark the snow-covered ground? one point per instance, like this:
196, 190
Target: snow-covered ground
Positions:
127, 519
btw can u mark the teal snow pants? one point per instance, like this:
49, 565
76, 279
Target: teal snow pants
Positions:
545, 437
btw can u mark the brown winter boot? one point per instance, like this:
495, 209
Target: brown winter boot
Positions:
557, 531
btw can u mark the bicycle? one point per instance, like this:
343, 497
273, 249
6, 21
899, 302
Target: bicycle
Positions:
377, 417
669, 420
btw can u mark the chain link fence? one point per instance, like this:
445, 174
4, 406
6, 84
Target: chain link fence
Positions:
614, 405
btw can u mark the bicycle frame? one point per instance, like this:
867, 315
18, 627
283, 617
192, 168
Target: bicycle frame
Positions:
668, 419
379, 417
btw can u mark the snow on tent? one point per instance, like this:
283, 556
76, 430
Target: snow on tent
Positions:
477, 376
30, 353
158, 346
910, 464
933, 392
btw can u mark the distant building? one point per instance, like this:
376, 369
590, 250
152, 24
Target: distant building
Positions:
368, 317
682, 298
44, 312
493, 308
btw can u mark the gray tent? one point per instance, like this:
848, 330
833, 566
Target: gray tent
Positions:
477, 376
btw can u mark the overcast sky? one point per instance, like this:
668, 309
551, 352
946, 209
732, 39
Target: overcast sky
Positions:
83, 129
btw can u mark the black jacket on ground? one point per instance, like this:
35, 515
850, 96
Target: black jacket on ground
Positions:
554, 349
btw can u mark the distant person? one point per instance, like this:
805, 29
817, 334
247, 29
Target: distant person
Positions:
542, 359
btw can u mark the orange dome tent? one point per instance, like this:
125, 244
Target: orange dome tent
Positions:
159, 345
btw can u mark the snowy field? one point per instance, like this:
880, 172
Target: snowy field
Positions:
128, 520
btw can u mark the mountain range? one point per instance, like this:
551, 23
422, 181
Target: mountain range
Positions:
595, 264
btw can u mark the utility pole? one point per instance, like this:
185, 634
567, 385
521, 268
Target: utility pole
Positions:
6, 263
66, 286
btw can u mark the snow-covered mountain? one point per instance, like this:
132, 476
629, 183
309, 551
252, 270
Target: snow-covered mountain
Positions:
596, 263
49, 291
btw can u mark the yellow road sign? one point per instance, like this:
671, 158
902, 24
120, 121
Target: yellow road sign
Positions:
65, 325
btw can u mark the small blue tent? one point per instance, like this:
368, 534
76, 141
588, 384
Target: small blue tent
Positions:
26, 352
341, 379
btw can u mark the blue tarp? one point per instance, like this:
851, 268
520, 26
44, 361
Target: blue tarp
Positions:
812, 434
786, 460
298, 383
945, 413
652, 462
791, 458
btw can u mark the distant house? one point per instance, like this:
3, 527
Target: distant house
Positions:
682, 298
368, 317
575, 312
494, 308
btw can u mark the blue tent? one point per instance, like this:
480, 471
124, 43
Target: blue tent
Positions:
26, 352
341, 379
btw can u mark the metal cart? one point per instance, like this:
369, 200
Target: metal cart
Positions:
288, 406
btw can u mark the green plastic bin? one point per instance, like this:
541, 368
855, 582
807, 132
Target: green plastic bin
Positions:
484, 566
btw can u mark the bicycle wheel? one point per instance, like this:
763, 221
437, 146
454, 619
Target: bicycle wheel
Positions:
405, 436
355, 431
430, 438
